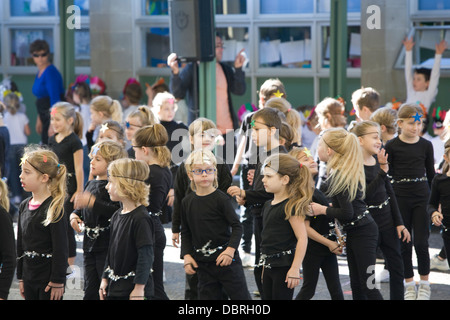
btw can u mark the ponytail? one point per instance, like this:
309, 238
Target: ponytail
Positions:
300, 188
46, 162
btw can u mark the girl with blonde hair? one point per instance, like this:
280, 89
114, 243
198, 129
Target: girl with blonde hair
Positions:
382, 204
283, 237
102, 108
149, 144
42, 243
67, 123
93, 210
346, 186
130, 252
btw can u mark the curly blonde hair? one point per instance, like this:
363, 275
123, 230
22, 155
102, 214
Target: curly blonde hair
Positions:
199, 157
131, 176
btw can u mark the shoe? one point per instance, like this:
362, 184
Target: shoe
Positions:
247, 260
424, 292
382, 276
439, 264
410, 292
256, 293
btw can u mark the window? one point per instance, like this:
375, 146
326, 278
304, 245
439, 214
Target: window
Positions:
32, 8
286, 6
434, 4
354, 47
157, 47
288, 47
20, 44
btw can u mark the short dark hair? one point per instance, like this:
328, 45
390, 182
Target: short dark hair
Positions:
269, 116
425, 71
39, 45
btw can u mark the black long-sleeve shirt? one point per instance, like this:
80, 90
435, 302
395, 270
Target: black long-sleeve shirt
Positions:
378, 190
130, 232
182, 188
440, 195
347, 211
208, 219
7, 253
411, 161
32, 235
98, 216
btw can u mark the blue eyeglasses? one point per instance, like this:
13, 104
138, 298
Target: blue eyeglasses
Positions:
128, 125
198, 172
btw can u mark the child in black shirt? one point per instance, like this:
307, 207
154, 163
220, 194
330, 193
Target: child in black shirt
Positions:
324, 241
42, 247
411, 166
127, 273
67, 124
93, 211
149, 144
382, 204
266, 126
211, 232
202, 135
284, 238
345, 187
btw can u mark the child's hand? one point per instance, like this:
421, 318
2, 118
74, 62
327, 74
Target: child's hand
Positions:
57, 290
75, 222
335, 248
408, 43
441, 47
226, 257
292, 278
436, 218
102, 289
138, 292
170, 198
175, 239
190, 265
234, 191
406, 235
317, 209
382, 157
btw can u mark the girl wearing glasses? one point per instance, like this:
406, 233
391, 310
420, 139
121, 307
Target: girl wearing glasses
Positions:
149, 144
47, 87
211, 233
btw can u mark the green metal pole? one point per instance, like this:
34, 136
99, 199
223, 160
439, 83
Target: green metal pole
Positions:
207, 84
338, 48
67, 41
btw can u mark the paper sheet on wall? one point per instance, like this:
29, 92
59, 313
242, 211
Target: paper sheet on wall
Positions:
38, 6
229, 50
292, 51
269, 51
308, 52
429, 39
355, 44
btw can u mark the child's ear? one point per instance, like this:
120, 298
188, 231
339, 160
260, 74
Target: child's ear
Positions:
45, 178
285, 180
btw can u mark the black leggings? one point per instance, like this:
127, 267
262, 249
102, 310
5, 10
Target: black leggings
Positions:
417, 221
274, 285
361, 257
312, 263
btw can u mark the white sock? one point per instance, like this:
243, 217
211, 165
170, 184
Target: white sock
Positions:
424, 282
410, 284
